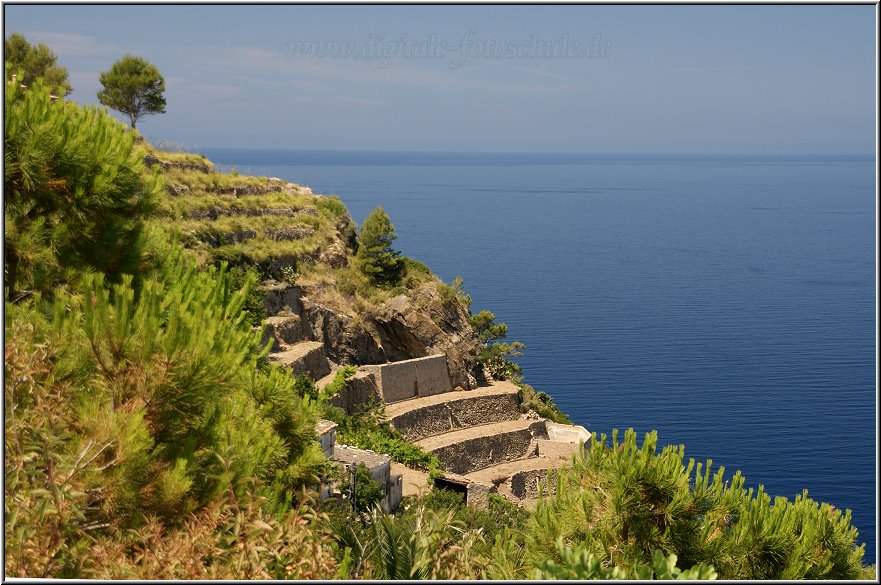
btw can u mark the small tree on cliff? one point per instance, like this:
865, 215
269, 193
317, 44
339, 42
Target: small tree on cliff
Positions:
494, 355
35, 62
133, 87
378, 260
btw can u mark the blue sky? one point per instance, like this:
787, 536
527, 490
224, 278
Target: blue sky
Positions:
671, 79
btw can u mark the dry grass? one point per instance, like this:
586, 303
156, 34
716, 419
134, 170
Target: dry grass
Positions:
186, 205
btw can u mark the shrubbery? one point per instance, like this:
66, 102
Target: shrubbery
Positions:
75, 193
495, 354
621, 502
163, 411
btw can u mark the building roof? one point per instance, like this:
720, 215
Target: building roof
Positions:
346, 454
324, 426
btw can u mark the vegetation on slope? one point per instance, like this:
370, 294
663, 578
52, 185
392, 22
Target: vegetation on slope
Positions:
75, 194
146, 436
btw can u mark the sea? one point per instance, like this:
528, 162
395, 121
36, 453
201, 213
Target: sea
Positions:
727, 302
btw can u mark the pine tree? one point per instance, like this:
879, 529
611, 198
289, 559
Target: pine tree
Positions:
75, 193
621, 503
134, 87
124, 405
378, 260
32, 62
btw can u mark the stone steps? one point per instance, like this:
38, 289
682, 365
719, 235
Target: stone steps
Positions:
283, 331
419, 418
470, 449
306, 357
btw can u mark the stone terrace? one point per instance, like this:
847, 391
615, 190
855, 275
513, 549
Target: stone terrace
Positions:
486, 444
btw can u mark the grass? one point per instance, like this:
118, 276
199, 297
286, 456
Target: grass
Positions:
257, 223
176, 156
182, 205
541, 403
352, 291
212, 182
266, 255
331, 205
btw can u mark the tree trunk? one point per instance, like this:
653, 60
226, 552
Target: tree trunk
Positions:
134, 120
11, 269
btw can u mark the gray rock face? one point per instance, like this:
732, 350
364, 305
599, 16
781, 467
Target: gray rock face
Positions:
280, 296
291, 233
151, 160
216, 240
345, 341
410, 329
334, 255
283, 329
244, 190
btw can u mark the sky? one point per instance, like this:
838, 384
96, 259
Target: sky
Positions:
575, 79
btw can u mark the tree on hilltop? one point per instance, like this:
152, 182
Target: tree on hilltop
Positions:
33, 62
133, 87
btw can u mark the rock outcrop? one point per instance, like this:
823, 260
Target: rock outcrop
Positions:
411, 328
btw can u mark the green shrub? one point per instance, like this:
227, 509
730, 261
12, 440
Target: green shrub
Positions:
305, 387
124, 405
454, 293
246, 279
621, 502
577, 563
338, 384
368, 491
500, 515
367, 428
415, 266
542, 404
331, 205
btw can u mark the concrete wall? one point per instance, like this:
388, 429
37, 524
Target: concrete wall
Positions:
395, 381
424, 376
361, 389
556, 449
394, 493
326, 441
568, 433
432, 375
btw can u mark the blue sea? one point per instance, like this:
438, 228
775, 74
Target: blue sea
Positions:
727, 302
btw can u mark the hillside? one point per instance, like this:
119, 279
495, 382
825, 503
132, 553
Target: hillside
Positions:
304, 243
187, 351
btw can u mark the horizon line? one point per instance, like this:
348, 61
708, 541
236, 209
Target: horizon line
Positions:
532, 153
